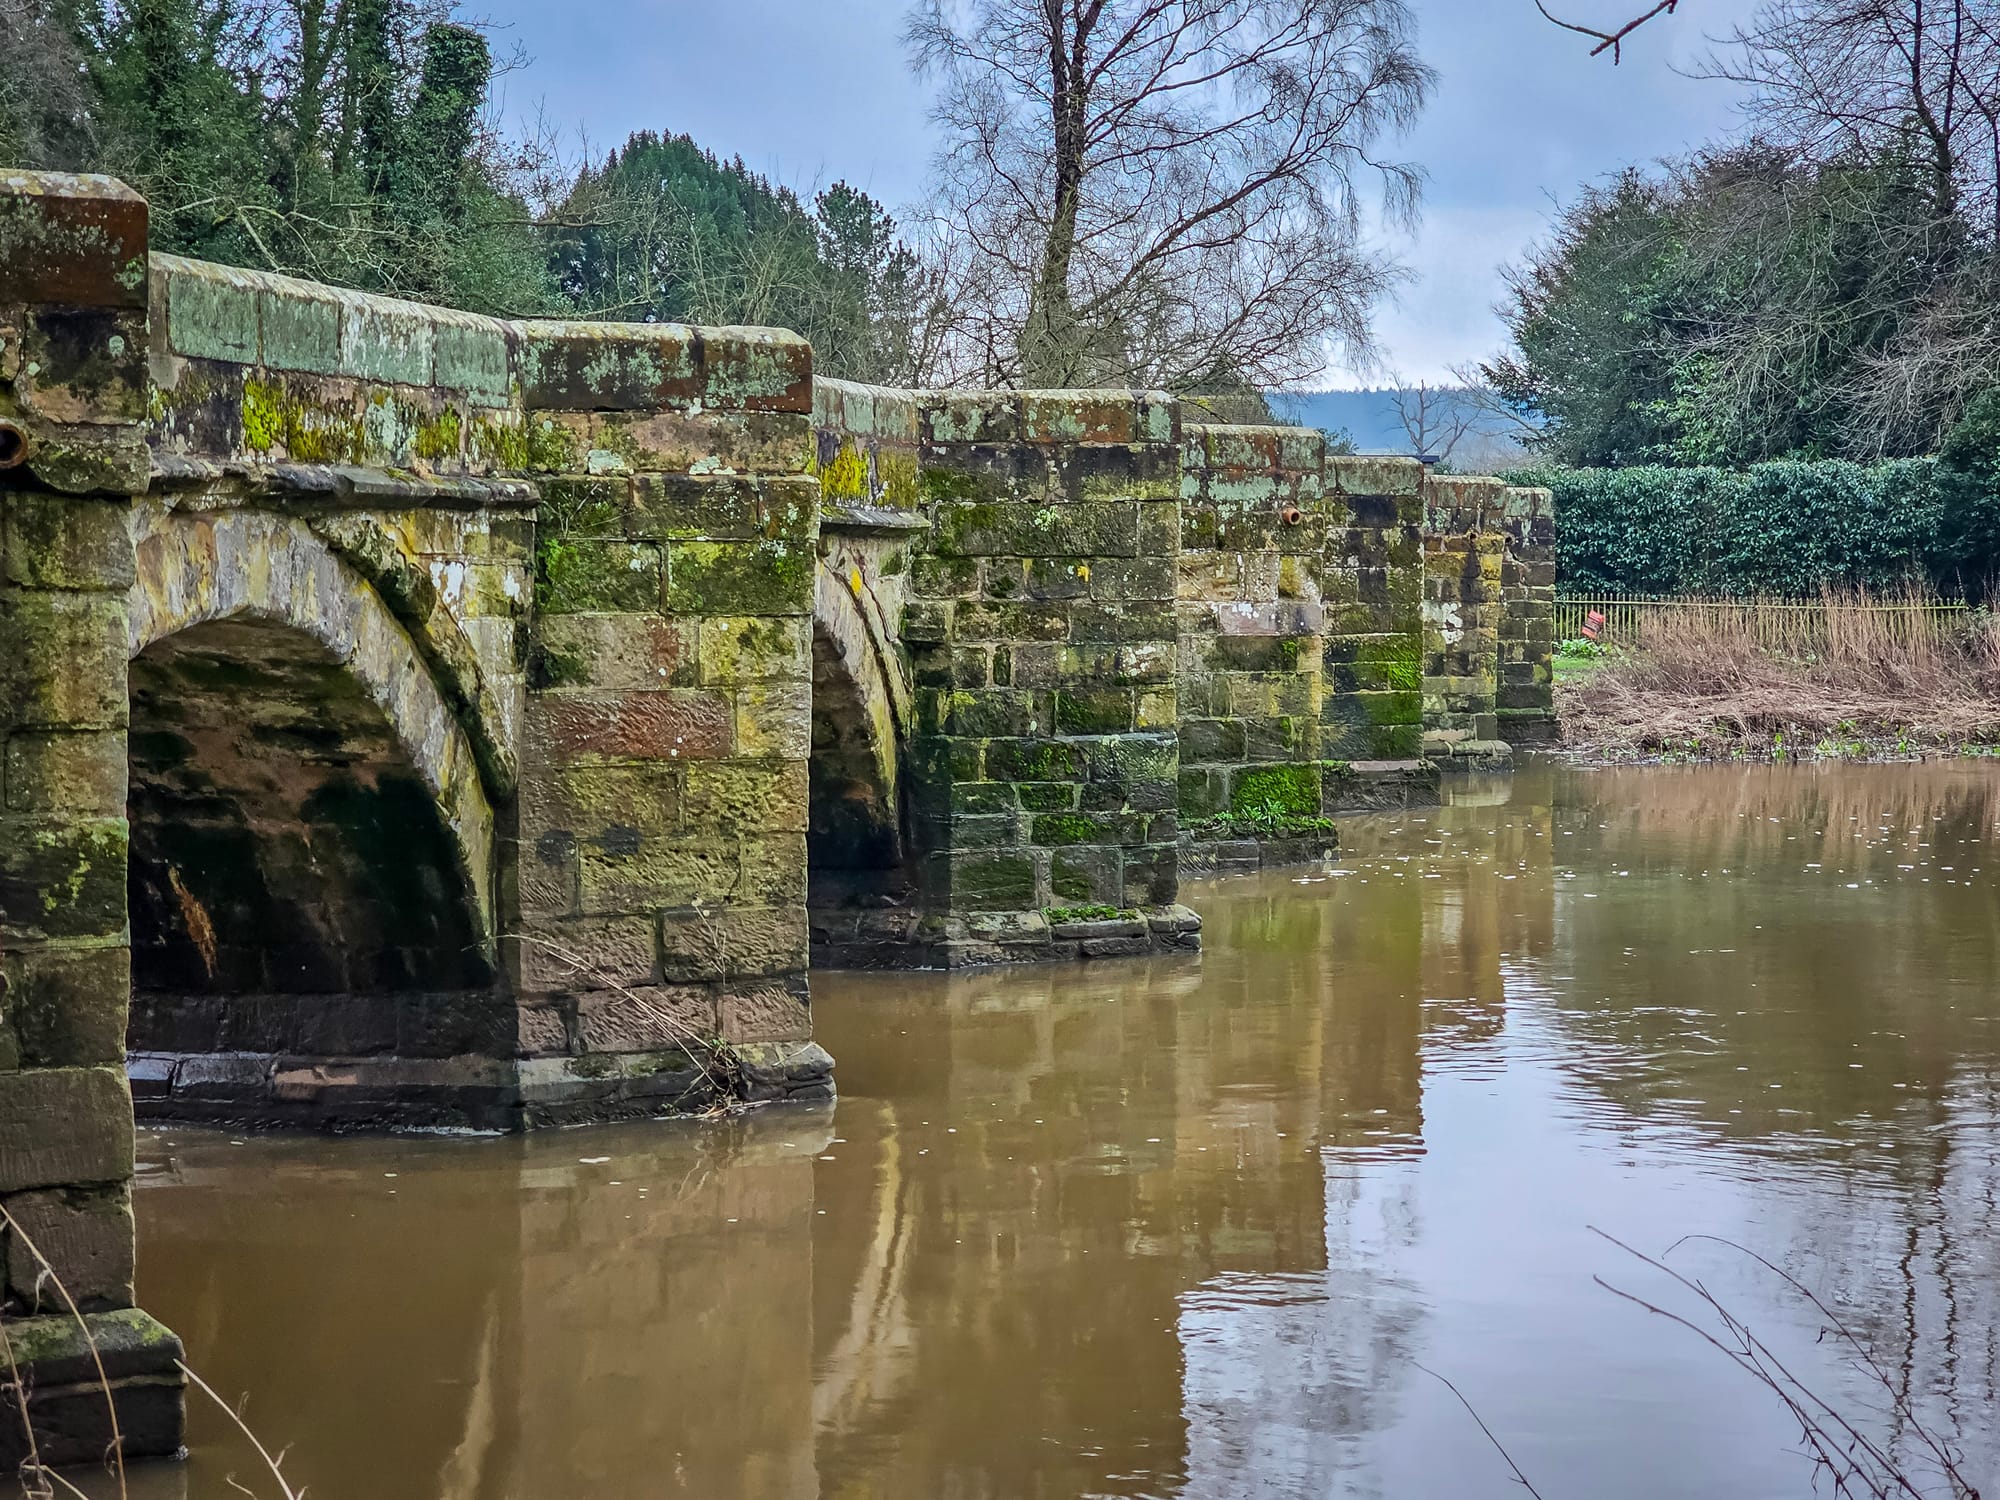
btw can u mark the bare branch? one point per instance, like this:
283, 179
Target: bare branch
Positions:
1613, 41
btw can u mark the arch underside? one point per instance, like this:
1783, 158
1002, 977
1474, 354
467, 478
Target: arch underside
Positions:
311, 850
857, 851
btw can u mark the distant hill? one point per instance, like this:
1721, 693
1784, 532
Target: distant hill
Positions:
1369, 417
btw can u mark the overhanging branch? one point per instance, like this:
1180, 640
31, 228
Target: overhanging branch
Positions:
1611, 41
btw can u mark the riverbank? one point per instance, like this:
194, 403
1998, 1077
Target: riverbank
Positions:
1848, 685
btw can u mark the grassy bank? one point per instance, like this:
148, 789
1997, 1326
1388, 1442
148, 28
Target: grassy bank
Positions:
1853, 677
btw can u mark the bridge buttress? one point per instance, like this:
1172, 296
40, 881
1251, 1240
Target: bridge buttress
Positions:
72, 395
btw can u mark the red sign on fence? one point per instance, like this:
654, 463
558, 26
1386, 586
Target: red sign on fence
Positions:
1593, 623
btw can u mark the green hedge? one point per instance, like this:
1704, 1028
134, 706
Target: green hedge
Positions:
1775, 528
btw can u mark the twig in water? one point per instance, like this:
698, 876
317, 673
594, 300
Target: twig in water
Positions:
284, 1485
1498, 1447
1857, 1464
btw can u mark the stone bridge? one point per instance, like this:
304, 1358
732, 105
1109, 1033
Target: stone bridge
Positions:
415, 718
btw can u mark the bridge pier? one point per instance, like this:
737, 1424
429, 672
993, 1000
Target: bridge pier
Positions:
73, 384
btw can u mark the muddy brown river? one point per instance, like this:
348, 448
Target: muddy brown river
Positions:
1213, 1226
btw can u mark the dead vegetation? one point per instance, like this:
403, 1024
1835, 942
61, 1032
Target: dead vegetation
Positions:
1855, 677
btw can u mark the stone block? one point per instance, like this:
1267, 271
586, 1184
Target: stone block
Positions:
706, 442
735, 941
591, 804
955, 417
1094, 710
65, 542
746, 797
756, 369
67, 1403
81, 773
774, 719
386, 341
599, 577
994, 882
621, 651
1080, 416
211, 311
771, 869
66, 1006
84, 1236
766, 1013
83, 366
681, 507
94, 1143
472, 355
625, 870
647, 1018
735, 649
740, 578
1152, 875
300, 323
677, 724
1087, 876
71, 239
1395, 477
61, 878
588, 953
609, 366
65, 661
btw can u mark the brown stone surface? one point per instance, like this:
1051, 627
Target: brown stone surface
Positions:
62, 1126
664, 724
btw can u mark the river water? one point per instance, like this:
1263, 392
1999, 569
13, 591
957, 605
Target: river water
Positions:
1213, 1226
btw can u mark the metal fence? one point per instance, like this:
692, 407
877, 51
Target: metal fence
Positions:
1776, 623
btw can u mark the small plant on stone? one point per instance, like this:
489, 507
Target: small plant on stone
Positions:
1060, 914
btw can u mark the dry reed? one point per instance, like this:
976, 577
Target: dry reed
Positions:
1847, 677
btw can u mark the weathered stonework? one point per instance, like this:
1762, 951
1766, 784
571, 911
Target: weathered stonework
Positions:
72, 383
415, 718
1017, 550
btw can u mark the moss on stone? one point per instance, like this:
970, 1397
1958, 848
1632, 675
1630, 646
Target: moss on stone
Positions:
896, 472
1068, 828
846, 476
736, 578
437, 438
1288, 791
538, 446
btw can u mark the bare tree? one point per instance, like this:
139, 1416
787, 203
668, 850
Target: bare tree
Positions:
1166, 192
1432, 417
1466, 425
1830, 76
45, 116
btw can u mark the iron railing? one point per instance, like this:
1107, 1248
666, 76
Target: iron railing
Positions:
1775, 623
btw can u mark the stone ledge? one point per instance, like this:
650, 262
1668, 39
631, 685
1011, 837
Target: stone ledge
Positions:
1203, 857
501, 1095
340, 484
903, 939
856, 519
66, 1400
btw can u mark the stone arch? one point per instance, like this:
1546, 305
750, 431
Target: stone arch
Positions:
857, 846
307, 813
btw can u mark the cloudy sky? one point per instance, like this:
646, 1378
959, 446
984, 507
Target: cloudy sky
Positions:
808, 91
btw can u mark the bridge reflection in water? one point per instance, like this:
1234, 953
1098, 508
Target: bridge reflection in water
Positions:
1193, 1226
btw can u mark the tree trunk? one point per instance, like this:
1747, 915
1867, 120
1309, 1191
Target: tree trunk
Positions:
1050, 346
